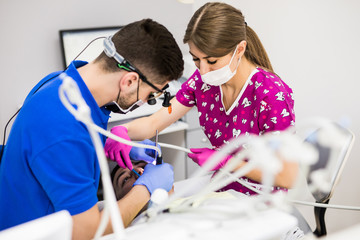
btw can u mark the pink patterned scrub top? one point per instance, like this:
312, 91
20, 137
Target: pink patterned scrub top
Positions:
264, 104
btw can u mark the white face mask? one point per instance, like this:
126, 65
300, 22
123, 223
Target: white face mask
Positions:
220, 76
114, 107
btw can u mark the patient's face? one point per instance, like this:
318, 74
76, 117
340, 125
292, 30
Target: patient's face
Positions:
123, 179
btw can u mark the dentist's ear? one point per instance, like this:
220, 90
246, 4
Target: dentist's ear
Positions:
129, 81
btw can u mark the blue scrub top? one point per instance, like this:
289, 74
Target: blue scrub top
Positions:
49, 163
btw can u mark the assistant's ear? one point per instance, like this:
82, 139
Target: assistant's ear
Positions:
241, 47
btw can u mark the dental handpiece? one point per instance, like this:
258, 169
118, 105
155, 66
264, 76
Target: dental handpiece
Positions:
137, 174
158, 158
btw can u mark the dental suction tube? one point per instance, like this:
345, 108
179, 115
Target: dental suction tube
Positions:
70, 95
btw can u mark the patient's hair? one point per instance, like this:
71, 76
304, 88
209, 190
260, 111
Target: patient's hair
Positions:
123, 179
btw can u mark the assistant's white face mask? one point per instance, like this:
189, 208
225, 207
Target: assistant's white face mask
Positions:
220, 76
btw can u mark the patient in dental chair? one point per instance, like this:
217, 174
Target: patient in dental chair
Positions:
123, 179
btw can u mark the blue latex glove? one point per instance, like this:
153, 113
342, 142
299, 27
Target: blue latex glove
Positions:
157, 176
145, 154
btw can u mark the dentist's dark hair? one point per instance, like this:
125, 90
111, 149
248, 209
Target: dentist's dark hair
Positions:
216, 28
150, 47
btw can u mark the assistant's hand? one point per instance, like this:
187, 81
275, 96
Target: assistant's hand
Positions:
145, 154
157, 176
201, 156
119, 152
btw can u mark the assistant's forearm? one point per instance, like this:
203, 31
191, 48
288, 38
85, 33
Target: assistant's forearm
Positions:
145, 127
140, 129
285, 178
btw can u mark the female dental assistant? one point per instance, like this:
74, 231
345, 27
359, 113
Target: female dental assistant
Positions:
234, 89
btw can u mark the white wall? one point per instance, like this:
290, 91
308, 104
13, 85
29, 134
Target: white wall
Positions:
29, 38
314, 46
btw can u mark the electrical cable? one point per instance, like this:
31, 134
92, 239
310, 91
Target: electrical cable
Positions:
3, 144
4, 138
87, 47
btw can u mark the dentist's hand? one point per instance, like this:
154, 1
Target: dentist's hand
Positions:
119, 152
157, 176
145, 154
201, 156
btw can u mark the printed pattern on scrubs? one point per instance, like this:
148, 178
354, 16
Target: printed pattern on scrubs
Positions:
265, 104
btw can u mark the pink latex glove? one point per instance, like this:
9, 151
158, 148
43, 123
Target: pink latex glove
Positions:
201, 155
117, 151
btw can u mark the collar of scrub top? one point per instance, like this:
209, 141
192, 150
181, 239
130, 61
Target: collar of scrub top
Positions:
110, 51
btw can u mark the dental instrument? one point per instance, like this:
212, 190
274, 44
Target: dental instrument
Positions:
157, 158
136, 173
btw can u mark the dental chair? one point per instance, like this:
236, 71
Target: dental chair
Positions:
324, 175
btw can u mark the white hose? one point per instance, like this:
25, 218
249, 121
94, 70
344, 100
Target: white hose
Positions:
70, 95
166, 145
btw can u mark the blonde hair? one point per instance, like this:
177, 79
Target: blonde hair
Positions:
216, 28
